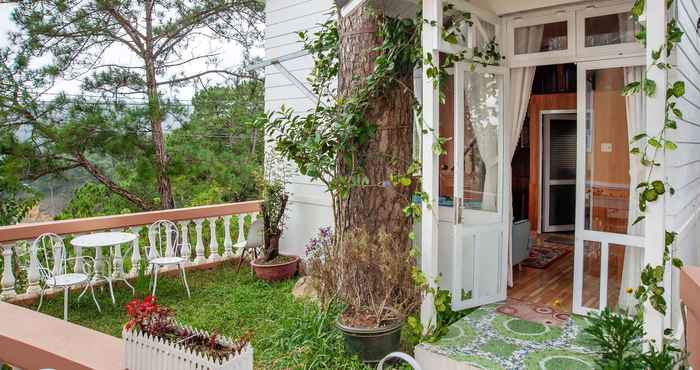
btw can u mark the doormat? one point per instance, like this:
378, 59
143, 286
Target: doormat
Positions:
567, 239
533, 312
488, 339
541, 256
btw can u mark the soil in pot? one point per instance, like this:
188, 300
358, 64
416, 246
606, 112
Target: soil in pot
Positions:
369, 340
279, 268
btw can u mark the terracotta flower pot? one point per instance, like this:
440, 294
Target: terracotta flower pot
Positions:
276, 272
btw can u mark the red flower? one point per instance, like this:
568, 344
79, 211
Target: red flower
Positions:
149, 300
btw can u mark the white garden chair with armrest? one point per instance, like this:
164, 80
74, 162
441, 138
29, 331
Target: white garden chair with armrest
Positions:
54, 269
165, 250
254, 241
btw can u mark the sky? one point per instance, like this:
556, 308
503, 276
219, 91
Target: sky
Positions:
230, 53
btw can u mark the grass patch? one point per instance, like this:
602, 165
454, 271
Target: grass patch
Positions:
288, 334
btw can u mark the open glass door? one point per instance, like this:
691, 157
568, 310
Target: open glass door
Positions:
609, 247
480, 249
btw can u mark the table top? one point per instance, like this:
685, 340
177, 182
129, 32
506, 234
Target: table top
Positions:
103, 239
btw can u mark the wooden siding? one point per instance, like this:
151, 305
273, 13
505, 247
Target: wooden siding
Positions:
309, 205
683, 165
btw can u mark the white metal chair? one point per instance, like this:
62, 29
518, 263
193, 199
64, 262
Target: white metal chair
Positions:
253, 241
165, 250
50, 254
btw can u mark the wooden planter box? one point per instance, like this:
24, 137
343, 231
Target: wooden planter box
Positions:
144, 352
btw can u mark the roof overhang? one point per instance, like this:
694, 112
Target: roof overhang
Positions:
407, 8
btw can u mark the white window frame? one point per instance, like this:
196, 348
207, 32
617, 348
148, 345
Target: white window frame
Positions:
547, 57
613, 50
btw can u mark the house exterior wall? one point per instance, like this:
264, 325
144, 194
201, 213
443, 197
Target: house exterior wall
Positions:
309, 206
683, 164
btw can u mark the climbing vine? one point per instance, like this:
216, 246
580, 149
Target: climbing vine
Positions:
648, 147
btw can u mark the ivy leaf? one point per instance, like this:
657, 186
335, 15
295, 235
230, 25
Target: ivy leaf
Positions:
670, 145
659, 187
632, 88
654, 142
638, 8
639, 137
405, 181
650, 195
649, 87
638, 220
677, 263
678, 89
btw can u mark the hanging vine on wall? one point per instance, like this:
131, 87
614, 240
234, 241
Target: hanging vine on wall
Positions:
337, 126
648, 147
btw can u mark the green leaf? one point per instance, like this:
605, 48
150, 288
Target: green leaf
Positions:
677, 263
649, 87
659, 187
678, 89
670, 145
650, 195
639, 137
638, 220
632, 88
654, 142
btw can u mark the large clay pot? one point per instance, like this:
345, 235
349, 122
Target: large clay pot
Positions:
371, 345
276, 272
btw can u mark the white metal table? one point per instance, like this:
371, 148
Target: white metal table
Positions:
100, 240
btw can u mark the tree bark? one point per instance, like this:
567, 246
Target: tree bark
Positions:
156, 115
379, 206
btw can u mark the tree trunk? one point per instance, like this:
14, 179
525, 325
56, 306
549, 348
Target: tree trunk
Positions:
156, 115
380, 205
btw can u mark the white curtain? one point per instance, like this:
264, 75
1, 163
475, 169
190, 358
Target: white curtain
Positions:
634, 256
520, 88
482, 104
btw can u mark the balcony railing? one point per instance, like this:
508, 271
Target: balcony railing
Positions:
216, 238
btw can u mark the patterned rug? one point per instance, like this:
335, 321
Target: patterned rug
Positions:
488, 339
534, 312
542, 256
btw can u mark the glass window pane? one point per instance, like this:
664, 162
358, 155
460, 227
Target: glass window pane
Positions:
482, 110
591, 274
541, 38
611, 120
446, 161
610, 29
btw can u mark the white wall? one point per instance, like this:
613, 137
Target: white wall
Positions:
309, 204
683, 164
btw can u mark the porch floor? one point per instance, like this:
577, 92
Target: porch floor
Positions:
514, 335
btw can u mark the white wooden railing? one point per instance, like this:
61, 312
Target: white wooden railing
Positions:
16, 241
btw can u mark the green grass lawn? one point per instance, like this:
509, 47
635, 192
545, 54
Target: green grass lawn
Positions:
288, 334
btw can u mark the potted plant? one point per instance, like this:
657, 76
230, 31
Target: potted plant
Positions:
273, 266
371, 274
153, 336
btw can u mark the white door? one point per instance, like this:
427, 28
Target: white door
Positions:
609, 247
480, 249
559, 170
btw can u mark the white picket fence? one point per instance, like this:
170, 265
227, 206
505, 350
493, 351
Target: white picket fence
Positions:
144, 352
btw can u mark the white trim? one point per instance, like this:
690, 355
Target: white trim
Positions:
613, 50
544, 169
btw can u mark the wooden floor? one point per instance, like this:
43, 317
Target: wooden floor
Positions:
553, 285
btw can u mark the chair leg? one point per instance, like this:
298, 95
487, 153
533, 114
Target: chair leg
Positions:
155, 279
111, 289
240, 261
184, 279
65, 303
92, 291
87, 285
41, 299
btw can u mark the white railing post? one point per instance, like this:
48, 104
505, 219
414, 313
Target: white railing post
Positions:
241, 228
33, 274
8, 278
185, 249
151, 254
78, 266
213, 243
199, 248
117, 261
228, 251
135, 252
57, 257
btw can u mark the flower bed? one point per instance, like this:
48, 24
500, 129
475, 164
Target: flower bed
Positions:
153, 339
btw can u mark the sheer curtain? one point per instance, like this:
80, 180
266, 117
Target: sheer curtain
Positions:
520, 88
634, 256
482, 107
